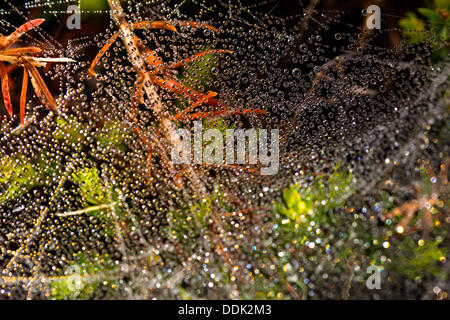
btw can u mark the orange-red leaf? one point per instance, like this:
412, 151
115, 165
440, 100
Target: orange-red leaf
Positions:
13, 37
20, 51
23, 96
154, 25
100, 54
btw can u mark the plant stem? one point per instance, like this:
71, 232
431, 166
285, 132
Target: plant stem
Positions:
128, 38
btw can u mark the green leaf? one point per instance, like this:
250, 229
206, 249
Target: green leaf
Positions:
291, 197
444, 33
413, 28
112, 135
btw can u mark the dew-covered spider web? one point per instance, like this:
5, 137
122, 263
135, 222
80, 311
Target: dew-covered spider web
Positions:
92, 207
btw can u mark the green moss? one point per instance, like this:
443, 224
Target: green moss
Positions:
96, 193
438, 23
17, 175
198, 75
68, 130
112, 135
193, 218
90, 186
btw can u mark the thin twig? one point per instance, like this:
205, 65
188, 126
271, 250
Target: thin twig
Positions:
138, 62
89, 209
